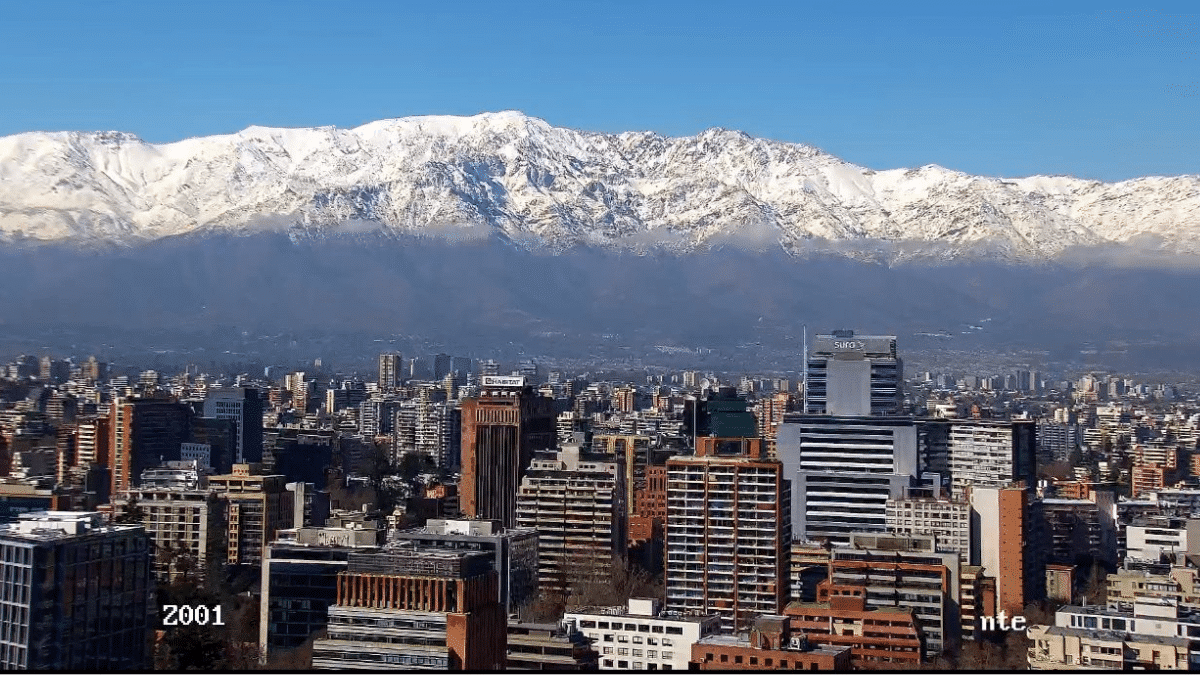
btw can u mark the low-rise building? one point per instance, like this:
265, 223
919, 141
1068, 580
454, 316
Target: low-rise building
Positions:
641, 633
1181, 584
1156, 635
769, 645
537, 646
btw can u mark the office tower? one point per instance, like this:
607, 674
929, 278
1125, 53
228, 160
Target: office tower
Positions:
501, 429
666, 637
213, 443
144, 433
76, 595
1006, 544
185, 524
461, 366
244, 407
415, 608
514, 552
576, 502
391, 366
854, 375
442, 366
728, 535
843, 471
300, 574
991, 453
256, 507
904, 572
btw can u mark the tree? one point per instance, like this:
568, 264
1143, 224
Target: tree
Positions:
131, 513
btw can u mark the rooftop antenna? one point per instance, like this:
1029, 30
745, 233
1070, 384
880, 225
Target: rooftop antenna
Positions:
804, 375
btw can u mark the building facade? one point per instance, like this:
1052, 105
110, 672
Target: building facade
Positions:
76, 595
728, 534
409, 608
501, 430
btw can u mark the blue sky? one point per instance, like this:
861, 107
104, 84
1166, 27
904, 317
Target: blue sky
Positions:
1093, 89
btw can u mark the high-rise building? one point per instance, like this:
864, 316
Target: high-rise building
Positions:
576, 502
991, 453
412, 608
727, 532
76, 593
1005, 542
257, 507
501, 429
144, 432
391, 367
854, 375
244, 407
185, 526
442, 366
844, 470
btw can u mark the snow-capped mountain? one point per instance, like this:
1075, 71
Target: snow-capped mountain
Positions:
517, 176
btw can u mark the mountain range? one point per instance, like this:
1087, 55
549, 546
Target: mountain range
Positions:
498, 234
515, 177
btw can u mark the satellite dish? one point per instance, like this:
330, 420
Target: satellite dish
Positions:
705, 384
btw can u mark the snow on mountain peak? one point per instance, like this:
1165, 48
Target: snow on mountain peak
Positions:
529, 181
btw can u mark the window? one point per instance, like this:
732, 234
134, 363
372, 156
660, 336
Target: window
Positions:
674, 630
622, 651
608, 663
737, 658
724, 658
608, 650
637, 652
651, 654
666, 642
637, 639
608, 637
669, 656
622, 638
623, 665
651, 641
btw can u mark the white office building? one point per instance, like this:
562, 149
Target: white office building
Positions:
641, 636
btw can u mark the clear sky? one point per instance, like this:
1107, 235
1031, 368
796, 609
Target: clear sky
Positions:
1093, 89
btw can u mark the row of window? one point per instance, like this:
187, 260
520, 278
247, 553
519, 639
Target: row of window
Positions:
637, 639
639, 627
